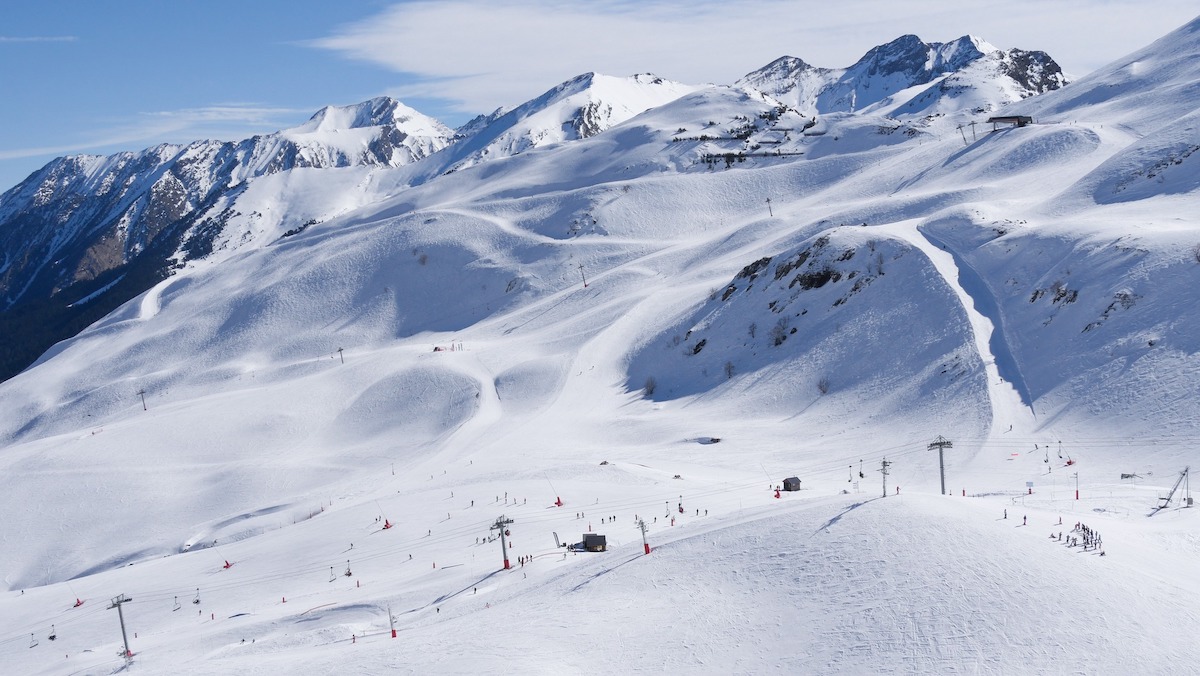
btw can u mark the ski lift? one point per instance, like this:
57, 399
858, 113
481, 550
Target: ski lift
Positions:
53, 634
177, 606
851, 474
860, 472
347, 573
508, 532
197, 599
32, 641
1060, 450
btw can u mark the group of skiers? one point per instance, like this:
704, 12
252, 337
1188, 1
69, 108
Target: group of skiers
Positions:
1091, 538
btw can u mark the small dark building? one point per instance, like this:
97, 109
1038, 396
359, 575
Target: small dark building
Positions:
791, 484
594, 543
1014, 120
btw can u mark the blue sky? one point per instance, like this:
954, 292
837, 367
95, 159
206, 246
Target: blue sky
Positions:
100, 76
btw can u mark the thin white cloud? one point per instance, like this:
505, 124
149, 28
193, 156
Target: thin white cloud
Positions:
480, 55
248, 114
38, 38
224, 122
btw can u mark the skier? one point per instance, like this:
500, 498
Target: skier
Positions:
1006, 513
1024, 520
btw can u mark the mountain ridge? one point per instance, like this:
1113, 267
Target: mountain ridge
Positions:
887, 70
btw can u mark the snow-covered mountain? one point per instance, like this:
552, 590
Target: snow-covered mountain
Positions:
86, 233
641, 325
1148, 98
81, 216
95, 231
576, 109
910, 77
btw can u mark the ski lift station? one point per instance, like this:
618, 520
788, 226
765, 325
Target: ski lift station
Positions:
791, 484
594, 543
1010, 120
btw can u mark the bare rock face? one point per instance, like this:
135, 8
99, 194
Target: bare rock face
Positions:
1035, 72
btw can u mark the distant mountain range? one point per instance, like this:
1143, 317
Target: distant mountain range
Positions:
86, 233
882, 80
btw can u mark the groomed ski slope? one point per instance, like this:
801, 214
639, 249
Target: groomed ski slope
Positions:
809, 583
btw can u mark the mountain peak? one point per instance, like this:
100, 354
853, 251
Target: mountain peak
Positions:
592, 80
580, 107
380, 111
881, 73
913, 57
956, 54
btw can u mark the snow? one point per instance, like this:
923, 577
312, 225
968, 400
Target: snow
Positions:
426, 351
578, 108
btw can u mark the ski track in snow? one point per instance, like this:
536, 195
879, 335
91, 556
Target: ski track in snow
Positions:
152, 300
1006, 389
